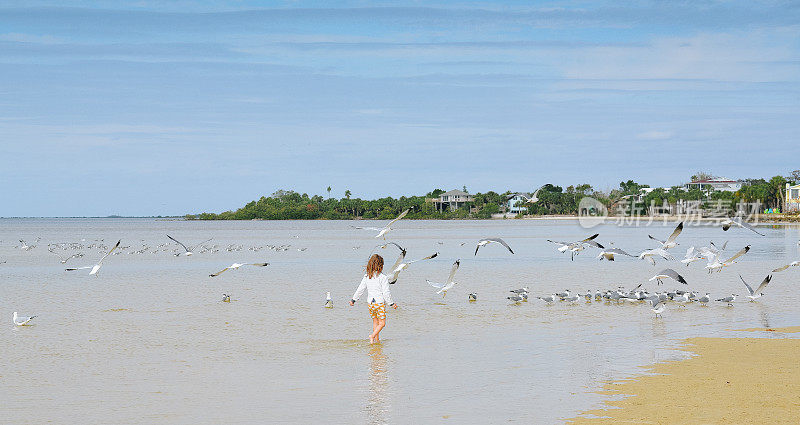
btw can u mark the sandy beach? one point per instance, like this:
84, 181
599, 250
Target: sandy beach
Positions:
727, 381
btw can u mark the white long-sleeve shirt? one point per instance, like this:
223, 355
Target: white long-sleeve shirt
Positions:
377, 289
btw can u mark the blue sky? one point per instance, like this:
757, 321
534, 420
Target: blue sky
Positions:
150, 107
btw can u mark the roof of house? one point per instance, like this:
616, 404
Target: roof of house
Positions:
455, 192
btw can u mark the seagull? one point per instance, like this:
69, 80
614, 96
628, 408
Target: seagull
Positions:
25, 246
692, 255
99, 264
487, 241
668, 273
729, 299
576, 247
757, 293
670, 242
21, 321
235, 266
516, 299
608, 254
523, 290
573, 298
226, 298
189, 250
402, 266
715, 265
651, 253
391, 243
780, 269
328, 301
548, 298
382, 231
473, 297
448, 284
392, 277
738, 222
657, 307
704, 299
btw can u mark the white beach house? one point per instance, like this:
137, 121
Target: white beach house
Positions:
792, 198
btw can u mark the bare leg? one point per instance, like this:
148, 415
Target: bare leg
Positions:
374, 326
377, 333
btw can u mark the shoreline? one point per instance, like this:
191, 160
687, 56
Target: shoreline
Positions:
753, 380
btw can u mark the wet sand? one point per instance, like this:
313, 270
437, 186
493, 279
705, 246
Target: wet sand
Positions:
728, 381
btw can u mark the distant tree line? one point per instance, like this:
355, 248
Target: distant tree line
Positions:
290, 205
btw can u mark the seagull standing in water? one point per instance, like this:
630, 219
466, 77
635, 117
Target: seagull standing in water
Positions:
99, 264
235, 266
21, 321
473, 297
189, 250
328, 301
449, 283
226, 298
670, 242
382, 231
754, 295
657, 307
729, 299
487, 241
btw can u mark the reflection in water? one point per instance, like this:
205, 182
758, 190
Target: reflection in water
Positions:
378, 401
763, 314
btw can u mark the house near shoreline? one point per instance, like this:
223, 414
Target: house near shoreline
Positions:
792, 198
515, 201
720, 184
452, 200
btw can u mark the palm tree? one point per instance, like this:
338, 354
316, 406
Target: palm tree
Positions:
329, 191
347, 193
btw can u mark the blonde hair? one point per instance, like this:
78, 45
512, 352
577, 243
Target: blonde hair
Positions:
374, 265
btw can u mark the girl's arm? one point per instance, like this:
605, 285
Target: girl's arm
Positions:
361, 287
385, 289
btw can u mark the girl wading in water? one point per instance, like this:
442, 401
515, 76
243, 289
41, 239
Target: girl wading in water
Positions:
378, 295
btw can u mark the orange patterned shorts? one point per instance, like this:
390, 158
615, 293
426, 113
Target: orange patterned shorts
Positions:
377, 311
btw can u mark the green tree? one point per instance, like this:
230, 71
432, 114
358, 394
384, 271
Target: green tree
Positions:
347, 193
329, 191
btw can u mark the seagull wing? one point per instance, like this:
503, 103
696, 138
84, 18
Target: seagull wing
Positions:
453, 271
402, 214
674, 275
72, 269
741, 252
424, 258
180, 243
742, 223
749, 289
595, 244
220, 272
656, 239
392, 243
256, 264
367, 228
764, 284
435, 285
557, 242
619, 251
675, 233
501, 242
109, 252
780, 269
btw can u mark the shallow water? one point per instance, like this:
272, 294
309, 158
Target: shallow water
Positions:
148, 340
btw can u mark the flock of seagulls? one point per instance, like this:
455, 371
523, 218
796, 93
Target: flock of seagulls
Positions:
657, 300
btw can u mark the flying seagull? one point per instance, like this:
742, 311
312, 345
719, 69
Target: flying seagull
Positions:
393, 276
189, 250
382, 231
21, 321
714, 264
757, 293
235, 266
402, 266
608, 254
738, 222
391, 243
576, 247
487, 241
692, 255
95, 268
670, 242
449, 283
64, 260
668, 273
651, 253
780, 269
